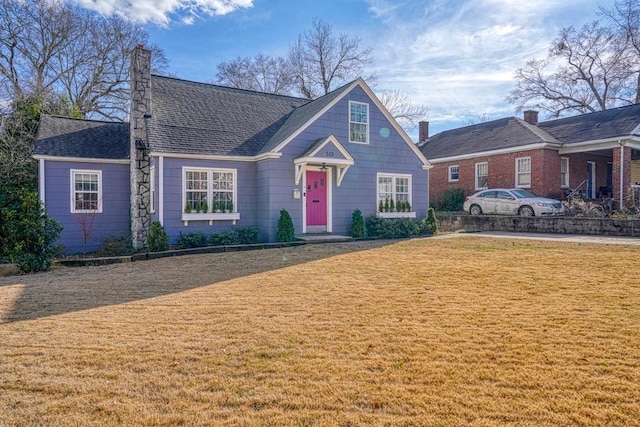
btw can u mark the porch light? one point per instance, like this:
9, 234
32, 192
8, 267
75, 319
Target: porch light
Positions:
324, 167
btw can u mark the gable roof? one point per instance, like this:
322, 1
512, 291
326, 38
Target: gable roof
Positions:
511, 133
508, 132
77, 138
205, 119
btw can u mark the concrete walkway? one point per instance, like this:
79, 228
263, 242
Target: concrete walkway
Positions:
573, 238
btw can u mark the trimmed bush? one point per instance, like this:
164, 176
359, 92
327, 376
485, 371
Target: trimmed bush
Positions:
28, 234
116, 246
194, 239
157, 240
358, 229
224, 238
393, 228
248, 235
286, 232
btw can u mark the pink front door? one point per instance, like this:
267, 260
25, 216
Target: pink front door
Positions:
316, 198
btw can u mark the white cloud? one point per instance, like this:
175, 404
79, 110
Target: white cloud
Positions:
162, 11
459, 58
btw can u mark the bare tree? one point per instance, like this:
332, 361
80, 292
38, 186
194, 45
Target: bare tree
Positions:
262, 73
402, 109
586, 70
624, 20
322, 61
54, 49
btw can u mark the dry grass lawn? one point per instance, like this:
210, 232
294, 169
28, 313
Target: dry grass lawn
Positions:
438, 332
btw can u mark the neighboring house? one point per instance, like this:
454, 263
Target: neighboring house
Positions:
590, 153
200, 157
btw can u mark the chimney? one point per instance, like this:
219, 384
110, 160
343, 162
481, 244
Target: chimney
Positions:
423, 132
140, 75
531, 116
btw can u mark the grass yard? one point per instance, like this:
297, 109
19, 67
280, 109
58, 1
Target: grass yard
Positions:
438, 332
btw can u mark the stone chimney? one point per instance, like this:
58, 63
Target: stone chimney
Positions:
423, 132
140, 75
531, 116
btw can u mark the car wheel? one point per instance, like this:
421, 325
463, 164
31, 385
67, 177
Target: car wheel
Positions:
475, 210
526, 211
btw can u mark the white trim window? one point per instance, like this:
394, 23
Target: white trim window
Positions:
86, 191
209, 190
482, 173
358, 122
523, 172
564, 172
394, 187
454, 173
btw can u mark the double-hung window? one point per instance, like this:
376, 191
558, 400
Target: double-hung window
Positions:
394, 193
482, 172
209, 194
358, 122
564, 171
523, 172
86, 191
454, 173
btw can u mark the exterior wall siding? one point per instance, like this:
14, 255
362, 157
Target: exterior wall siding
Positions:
112, 221
173, 187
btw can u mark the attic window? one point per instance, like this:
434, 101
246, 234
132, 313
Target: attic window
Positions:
358, 122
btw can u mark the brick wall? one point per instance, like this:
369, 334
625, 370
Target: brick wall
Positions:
545, 173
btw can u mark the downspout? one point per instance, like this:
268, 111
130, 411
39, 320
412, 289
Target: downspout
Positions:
621, 143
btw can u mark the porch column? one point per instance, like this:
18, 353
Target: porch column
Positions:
621, 172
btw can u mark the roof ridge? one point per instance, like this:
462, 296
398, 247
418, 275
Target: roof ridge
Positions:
213, 85
57, 116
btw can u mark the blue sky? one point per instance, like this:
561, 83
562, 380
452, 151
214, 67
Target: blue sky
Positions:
456, 57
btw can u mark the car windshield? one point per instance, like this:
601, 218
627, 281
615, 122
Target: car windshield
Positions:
522, 194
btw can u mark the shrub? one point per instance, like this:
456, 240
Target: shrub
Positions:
450, 201
248, 235
28, 234
358, 230
432, 223
224, 238
391, 228
194, 239
116, 246
157, 240
286, 232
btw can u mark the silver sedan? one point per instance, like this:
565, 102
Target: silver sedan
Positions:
511, 201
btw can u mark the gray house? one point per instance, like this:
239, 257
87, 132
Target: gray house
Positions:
201, 157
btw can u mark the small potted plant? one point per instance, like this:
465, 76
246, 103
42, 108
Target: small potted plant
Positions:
216, 206
187, 207
400, 206
407, 206
205, 206
381, 206
391, 206
386, 205
230, 207
198, 206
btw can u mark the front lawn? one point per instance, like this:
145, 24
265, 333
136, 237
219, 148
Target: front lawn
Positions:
461, 331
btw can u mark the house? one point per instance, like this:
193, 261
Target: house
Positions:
201, 157
596, 154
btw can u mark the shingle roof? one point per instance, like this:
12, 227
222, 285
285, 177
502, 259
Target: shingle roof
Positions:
198, 118
494, 135
612, 123
66, 137
512, 132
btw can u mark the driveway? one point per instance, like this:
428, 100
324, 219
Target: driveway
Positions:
572, 238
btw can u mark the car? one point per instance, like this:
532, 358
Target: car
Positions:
511, 201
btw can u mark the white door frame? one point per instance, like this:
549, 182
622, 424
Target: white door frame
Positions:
329, 187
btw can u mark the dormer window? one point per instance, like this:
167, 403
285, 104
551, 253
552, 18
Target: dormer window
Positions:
358, 122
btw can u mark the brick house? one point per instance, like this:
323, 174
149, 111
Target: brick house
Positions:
591, 153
